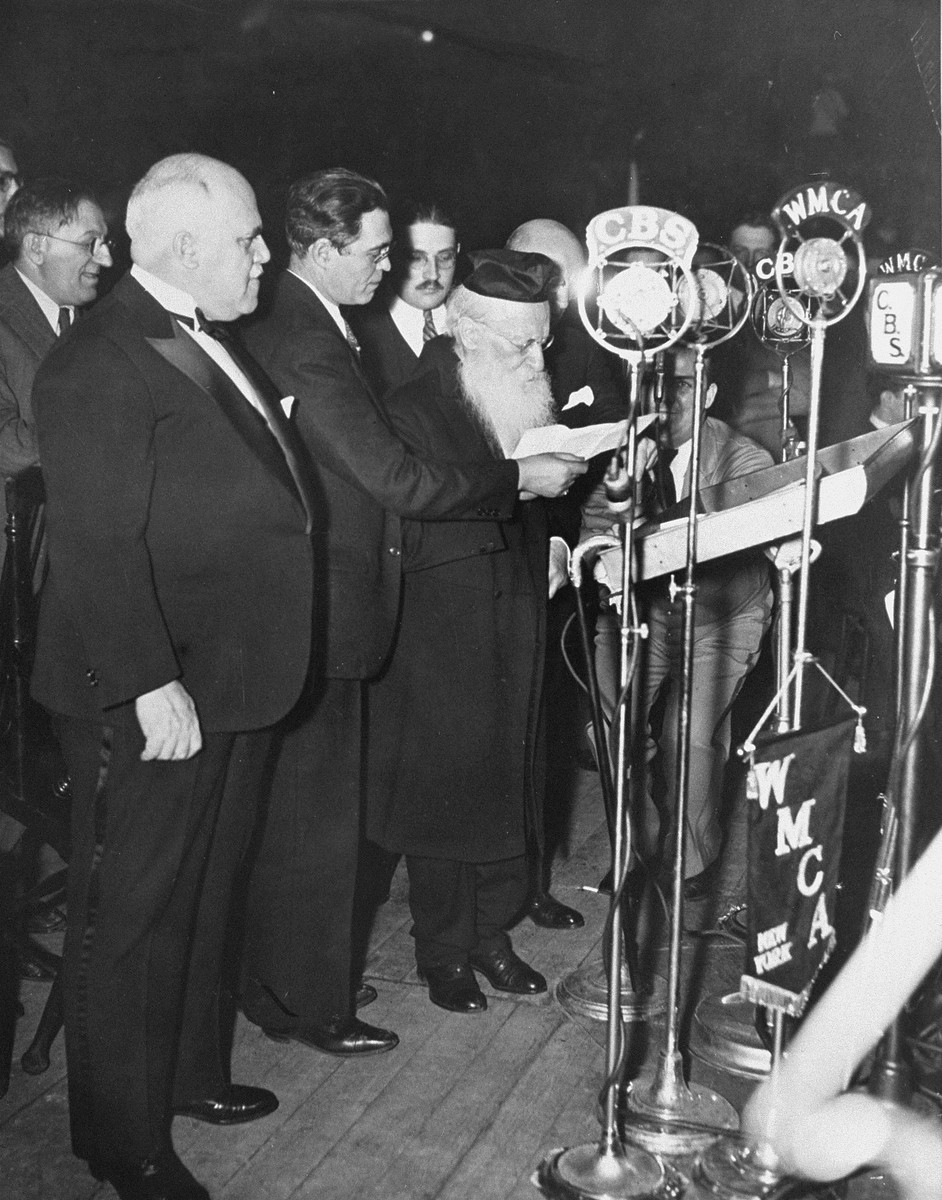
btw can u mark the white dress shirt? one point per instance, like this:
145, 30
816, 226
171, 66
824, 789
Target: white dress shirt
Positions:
179, 303
49, 307
410, 322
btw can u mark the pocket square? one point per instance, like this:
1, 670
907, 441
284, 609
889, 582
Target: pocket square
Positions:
585, 395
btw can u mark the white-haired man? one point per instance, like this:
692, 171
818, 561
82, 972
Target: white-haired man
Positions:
175, 626
455, 771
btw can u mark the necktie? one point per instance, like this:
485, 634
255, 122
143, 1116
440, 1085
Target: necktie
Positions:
351, 339
665, 489
428, 326
65, 320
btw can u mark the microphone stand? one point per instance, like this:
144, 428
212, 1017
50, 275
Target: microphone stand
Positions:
608, 1169
891, 1075
750, 1169
662, 1112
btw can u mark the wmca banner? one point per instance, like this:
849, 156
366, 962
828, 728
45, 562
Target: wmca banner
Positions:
797, 789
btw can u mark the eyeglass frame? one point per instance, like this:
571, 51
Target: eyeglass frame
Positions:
92, 246
376, 255
527, 346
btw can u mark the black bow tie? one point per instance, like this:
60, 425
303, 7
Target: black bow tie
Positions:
213, 329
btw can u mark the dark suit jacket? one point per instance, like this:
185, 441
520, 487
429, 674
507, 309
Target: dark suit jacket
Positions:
369, 478
387, 358
26, 337
575, 360
178, 540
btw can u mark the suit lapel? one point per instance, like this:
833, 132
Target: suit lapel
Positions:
23, 315
182, 352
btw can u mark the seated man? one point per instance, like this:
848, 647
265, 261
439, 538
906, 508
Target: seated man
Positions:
733, 608
748, 371
453, 771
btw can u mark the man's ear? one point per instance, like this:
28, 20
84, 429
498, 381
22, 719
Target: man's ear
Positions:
34, 248
321, 251
468, 333
710, 396
186, 249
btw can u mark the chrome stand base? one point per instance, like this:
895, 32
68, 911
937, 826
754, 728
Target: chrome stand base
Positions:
731, 1170
724, 1035
584, 993
665, 1115
596, 1172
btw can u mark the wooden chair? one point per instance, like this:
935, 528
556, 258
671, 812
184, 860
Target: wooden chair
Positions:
33, 784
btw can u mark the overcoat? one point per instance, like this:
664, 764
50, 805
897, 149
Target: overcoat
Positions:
454, 761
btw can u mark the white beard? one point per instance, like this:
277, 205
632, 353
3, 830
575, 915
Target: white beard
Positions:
505, 403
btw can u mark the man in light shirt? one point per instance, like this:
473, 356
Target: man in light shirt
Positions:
175, 630
56, 239
394, 328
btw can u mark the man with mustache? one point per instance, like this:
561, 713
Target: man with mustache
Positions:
395, 326
299, 912
453, 765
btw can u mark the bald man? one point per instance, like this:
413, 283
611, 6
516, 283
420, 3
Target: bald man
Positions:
174, 629
574, 360
587, 390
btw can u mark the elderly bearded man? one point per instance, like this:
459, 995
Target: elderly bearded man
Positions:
454, 774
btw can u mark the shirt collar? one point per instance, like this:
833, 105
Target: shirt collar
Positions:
332, 308
50, 309
407, 316
169, 297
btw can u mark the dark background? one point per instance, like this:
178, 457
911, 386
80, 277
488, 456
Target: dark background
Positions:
514, 109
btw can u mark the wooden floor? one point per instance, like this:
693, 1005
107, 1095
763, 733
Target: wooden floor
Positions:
466, 1106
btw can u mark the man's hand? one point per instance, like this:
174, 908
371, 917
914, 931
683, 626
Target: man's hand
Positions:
168, 720
549, 475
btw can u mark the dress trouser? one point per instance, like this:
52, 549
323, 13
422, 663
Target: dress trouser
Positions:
299, 912
460, 907
155, 846
723, 655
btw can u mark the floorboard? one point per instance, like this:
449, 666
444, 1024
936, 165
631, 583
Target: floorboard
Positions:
466, 1107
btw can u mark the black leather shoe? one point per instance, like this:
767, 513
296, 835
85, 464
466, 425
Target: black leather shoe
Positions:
345, 1036
235, 1104
547, 912
508, 972
162, 1178
453, 986
366, 994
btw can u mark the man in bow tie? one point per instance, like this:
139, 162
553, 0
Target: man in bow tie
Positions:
175, 629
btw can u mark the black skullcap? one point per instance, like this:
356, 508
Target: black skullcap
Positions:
517, 275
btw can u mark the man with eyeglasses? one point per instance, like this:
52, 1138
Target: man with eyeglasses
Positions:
733, 608
395, 326
175, 631
55, 239
454, 748
299, 913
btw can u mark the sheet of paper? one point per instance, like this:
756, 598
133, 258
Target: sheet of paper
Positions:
584, 443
